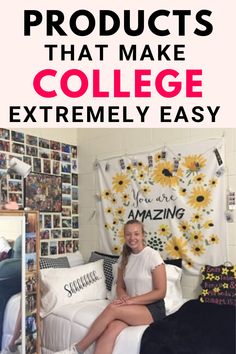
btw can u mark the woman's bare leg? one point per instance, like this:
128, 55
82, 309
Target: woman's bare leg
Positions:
105, 343
129, 314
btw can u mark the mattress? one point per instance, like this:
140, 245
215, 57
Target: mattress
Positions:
69, 323
10, 315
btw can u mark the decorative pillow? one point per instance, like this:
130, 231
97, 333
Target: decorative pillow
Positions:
70, 285
173, 298
176, 262
218, 285
75, 259
4, 245
111, 295
109, 259
59, 262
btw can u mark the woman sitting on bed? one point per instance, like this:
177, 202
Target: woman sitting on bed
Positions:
141, 288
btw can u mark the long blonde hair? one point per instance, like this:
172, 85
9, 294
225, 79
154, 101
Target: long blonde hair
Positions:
126, 251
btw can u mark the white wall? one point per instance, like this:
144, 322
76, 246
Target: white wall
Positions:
102, 143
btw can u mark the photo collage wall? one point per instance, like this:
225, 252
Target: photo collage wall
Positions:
51, 187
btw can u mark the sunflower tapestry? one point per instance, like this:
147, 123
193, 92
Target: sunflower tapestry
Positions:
177, 192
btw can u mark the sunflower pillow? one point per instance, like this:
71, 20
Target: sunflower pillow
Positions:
218, 285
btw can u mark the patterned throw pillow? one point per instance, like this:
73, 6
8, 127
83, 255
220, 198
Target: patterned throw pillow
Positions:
59, 262
176, 262
218, 285
109, 259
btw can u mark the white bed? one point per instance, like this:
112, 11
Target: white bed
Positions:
69, 323
10, 315
67, 315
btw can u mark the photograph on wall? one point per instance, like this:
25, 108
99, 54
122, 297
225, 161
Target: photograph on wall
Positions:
30, 262
44, 234
31, 140
56, 221
56, 233
4, 134
53, 247
44, 248
43, 192
66, 233
55, 145
61, 247
31, 283
4, 145
56, 168
31, 151
17, 136
47, 221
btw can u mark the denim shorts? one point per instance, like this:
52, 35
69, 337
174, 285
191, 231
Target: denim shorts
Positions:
157, 310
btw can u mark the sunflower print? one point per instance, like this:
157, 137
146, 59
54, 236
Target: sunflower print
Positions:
194, 163
213, 182
116, 249
199, 198
183, 191
196, 218
120, 182
120, 212
164, 175
108, 210
188, 262
141, 175
184, 226
196, 236
115, 222
113, 200
121, 236
197, 249
164, 230
208, 224
106, 194
145, 190
142, 166
176, 247
199, 178
214, 239
125, 198
157, 157
129, 168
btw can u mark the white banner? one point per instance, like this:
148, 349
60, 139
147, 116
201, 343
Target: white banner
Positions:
177, 192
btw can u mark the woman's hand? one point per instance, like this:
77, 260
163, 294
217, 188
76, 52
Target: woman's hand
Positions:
123, 300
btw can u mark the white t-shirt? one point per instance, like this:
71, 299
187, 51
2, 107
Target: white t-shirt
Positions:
138, 271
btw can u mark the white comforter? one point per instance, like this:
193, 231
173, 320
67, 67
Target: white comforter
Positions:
10, 315
69, 323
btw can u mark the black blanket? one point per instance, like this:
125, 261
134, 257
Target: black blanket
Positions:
196, 328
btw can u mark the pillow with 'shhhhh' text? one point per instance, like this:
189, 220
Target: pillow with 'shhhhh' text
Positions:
70, 285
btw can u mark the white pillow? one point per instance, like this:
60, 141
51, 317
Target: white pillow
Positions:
70, 285
174, 296
75, 259
4, 245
